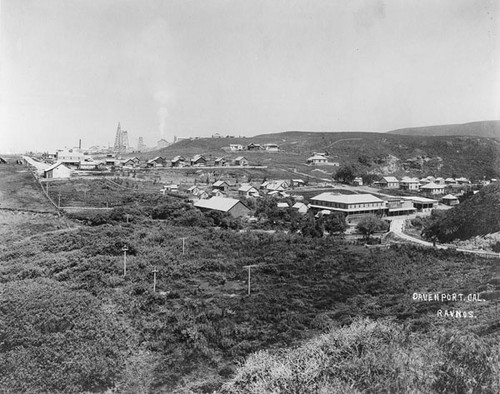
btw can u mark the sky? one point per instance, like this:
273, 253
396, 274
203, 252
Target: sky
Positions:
73, 69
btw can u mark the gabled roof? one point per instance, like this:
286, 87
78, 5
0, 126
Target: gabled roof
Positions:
246, 188
219, 183
409, 180
198, 157
390, 179
54, 166
449, 197
156, 159
299, 205
218, 203
283, 205
220, 159
239, 158
316, 157
178, 158
432, 185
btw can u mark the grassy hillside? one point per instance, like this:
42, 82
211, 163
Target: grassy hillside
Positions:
472, 157
375, 357
71, 322
489, 129
478, 215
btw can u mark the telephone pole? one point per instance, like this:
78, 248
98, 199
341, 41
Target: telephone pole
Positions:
154, 279
248, 267
124, 249
183, 246
59, 200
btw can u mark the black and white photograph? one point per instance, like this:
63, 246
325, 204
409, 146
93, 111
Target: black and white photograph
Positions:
249, 196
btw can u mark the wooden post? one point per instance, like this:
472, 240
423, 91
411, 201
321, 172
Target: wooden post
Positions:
59, 200
183, 245
124, 249
154, 279
248, 267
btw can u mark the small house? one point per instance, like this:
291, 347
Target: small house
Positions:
158, 161
300, 207
241, 161
170, 188
248, 191
389, 182
198, 161
432, 188
194, 190
131, 162
450, 199
220, 162
317, 160
57, 171
178, 161
271, 147
358, 181
253, 147
230, 205
409, 184
223, 186
235, 147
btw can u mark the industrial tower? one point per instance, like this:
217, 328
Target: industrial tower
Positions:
121, 140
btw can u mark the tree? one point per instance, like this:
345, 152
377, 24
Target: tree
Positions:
310, 227
369, 224
346, 174
334, 223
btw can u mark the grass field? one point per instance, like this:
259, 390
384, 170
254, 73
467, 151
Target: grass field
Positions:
71, 322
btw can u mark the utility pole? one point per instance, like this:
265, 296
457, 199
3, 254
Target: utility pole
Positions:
124, 249
183, 245
248, 267
127, 215
154, 279
59, 199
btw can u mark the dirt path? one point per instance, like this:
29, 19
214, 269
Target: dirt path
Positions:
397, 228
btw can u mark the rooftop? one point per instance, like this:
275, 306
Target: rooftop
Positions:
347, 198
217, 203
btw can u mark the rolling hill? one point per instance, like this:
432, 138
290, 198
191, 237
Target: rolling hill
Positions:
489, 129
374, 153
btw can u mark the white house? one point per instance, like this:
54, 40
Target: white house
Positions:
300, 207
317, 160
57, 171
409, 184
389, 182
271, 147
248, 191
235, 147
432, 188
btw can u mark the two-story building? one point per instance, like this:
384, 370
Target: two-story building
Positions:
349, 204
389, 182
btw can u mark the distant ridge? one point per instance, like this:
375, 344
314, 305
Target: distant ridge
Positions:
488, 128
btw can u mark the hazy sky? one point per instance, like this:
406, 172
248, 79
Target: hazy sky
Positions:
72, 69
